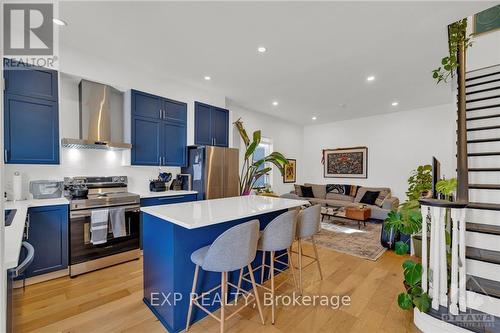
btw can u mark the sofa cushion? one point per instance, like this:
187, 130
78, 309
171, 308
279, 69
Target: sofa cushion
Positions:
335, 196
298, 190
318, 190
307, 192
342, 189
362, 190
369, 197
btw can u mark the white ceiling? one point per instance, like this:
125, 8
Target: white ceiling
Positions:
319, 53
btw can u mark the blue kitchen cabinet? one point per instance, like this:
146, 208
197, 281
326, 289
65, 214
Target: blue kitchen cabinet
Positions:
31, 130
146, 143
34, 82
31, 121
146, 105
174, 141
158, 137
202, 124
146, 202
211, 125
47, 231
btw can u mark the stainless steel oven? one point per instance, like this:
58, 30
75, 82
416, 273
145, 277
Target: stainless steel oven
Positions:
104, 193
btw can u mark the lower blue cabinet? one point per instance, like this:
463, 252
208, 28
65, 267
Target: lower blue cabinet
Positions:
47, 231
146, 202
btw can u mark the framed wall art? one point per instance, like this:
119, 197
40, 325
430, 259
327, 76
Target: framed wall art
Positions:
346, 162
290, 174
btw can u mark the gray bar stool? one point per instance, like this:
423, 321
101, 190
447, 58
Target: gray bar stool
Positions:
308, 224
278, 235
232, 250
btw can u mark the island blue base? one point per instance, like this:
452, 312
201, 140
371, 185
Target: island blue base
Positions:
168, 270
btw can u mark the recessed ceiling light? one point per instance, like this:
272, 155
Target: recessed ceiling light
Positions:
261, 49
275, 103
207, 78
370, 78
59, 21
314, 118
395, 103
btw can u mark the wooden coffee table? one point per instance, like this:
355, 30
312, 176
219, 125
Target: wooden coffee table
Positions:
357, 214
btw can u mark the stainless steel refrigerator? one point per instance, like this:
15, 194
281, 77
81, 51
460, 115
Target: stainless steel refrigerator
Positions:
214, 171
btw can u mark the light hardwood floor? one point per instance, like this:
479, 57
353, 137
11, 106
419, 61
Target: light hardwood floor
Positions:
110, 300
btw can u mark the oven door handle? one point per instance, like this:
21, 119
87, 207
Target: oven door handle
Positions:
87, 212
26, 262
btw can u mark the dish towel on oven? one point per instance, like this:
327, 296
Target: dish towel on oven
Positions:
117, 219
99, 226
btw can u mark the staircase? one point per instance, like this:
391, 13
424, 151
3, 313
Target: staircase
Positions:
483, 211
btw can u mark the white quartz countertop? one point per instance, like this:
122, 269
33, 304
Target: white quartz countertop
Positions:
14, 232
197, 214
170, 193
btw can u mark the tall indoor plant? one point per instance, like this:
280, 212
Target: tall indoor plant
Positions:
252, 169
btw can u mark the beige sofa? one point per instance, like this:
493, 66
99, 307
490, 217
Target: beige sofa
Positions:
321, 196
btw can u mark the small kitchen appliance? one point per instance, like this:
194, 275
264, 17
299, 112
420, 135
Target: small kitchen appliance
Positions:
46, 189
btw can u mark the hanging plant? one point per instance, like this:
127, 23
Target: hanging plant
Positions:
457, 34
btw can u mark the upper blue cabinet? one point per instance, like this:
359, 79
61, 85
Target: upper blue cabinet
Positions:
211, 125
159, 130
31, 121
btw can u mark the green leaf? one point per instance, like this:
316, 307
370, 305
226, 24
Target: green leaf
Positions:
413, 275
422, 302
408, 264
405, 301
416, 291
401, 248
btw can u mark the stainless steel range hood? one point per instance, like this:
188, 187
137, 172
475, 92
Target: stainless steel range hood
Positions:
101, 118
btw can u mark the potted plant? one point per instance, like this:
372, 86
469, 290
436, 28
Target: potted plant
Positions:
253, 169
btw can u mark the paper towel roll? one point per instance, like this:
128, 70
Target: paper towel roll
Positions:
17, 186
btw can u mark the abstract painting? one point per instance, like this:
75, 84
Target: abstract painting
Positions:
346, 162
290, 174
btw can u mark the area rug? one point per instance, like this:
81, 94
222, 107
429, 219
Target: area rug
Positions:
346, 238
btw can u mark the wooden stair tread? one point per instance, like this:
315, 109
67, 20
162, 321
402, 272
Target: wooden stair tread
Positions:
482, 99
492, 257
484, 169
483, 228
483, 128
488, 153
482, 90
485, 186
483, 107
483, 286
490, 116
485, 206
483, 140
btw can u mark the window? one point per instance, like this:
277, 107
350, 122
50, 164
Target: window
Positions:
262, 150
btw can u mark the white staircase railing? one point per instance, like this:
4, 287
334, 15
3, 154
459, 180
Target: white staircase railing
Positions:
440, 217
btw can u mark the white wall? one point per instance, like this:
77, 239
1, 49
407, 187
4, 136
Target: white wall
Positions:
397, 143
286, 138
93, 162
485, 50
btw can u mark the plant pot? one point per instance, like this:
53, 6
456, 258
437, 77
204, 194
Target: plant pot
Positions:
417, 245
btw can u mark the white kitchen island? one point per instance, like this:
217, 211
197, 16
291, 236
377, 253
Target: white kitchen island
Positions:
172, 232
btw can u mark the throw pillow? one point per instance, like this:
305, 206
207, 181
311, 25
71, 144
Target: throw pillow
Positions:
307, 191
381, 197
298, 190
370, 197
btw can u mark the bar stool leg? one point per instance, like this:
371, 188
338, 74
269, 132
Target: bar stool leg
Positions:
223, 297
273, 305
317, 257
263, 267
271, 259
239, 283
256, 293
292, 268
300, 266
193, 290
